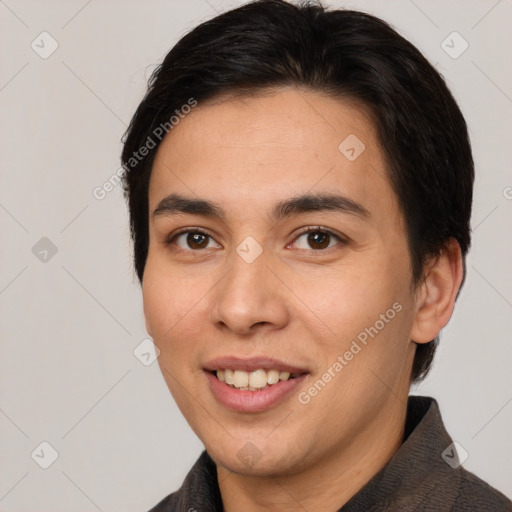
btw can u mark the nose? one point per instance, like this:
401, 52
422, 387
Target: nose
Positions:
250, 297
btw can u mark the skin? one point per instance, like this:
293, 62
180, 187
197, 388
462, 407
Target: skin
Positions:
296, 302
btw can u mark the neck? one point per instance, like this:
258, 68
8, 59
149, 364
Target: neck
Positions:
329, 482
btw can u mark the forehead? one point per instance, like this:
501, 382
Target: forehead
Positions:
248, 152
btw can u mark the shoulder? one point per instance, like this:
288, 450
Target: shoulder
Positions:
168, 504
476, 495
199, 491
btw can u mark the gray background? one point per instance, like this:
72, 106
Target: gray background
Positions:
70, 324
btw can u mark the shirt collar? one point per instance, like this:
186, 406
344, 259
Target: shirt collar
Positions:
416, 473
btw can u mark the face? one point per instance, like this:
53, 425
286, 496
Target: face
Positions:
238, 293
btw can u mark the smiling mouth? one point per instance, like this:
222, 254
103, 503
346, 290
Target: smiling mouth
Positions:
256, 380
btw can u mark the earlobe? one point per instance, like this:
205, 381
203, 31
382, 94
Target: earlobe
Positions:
436, 295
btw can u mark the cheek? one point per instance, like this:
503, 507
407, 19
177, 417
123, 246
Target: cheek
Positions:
176, 309
368, 308
350, 298
168, 295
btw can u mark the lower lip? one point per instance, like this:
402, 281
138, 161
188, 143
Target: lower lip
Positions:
252, 401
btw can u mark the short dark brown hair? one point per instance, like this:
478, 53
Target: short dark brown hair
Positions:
346, 54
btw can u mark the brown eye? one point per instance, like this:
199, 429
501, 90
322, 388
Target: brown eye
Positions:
317, 239
191, 240
197, 240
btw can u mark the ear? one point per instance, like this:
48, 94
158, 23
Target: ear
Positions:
435, 297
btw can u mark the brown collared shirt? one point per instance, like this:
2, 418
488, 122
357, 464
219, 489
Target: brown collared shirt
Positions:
423, 475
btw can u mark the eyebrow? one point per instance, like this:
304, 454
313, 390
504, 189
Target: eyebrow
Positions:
176, 204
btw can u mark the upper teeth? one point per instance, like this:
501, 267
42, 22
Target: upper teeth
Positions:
251, 381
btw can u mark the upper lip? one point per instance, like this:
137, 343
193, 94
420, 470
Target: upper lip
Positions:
251, 364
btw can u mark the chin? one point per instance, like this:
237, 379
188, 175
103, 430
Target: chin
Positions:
259, 457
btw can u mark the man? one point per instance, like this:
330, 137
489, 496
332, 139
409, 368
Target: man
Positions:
300, 187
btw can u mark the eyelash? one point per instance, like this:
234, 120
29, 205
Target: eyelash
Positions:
309, 229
